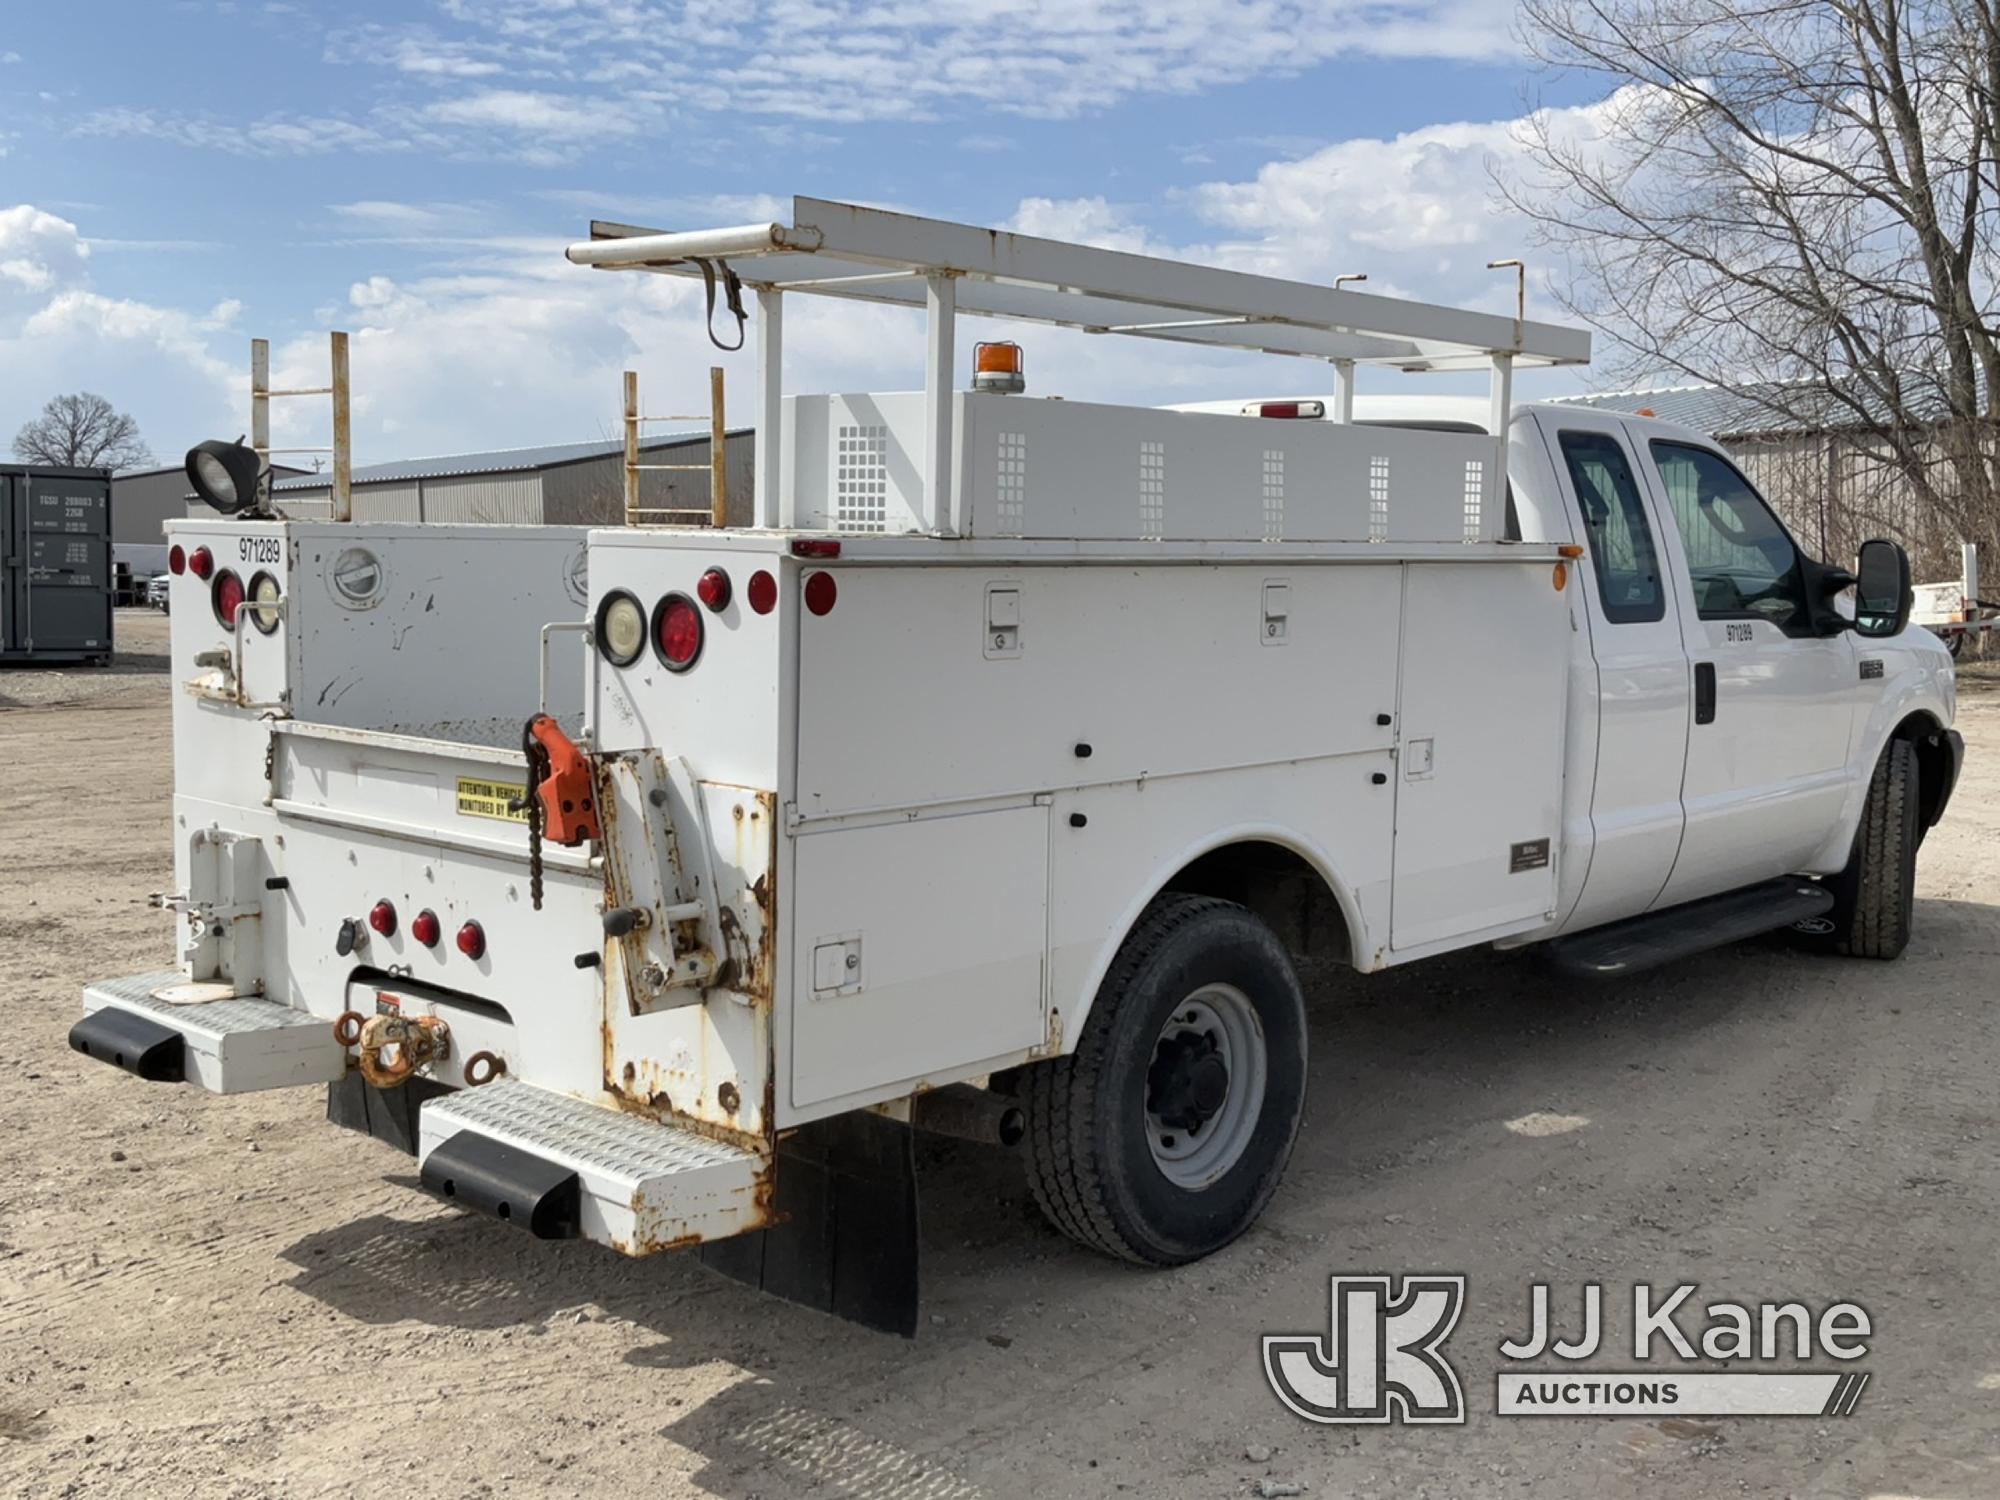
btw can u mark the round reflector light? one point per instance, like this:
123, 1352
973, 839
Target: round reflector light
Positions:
713, 590
621, 628
425, 928
821, 592
762, 592
382, 917
201, 562
677, 632
226, 594
264, 602
177, 559
472, 940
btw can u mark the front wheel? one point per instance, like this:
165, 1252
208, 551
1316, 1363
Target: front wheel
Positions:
1873, 895
1164, 1135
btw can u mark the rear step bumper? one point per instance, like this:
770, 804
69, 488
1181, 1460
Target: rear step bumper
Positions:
1658, 937
561, 1168
227, 1046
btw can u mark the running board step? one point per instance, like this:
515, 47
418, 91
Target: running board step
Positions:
560, 1167
1657, 937
235, 1046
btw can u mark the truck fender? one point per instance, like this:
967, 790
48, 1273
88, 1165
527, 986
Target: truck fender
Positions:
1076, 1006
1918, 673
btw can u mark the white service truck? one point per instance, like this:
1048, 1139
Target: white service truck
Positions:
651, 884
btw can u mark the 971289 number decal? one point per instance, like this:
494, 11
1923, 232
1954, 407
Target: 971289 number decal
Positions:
259, 549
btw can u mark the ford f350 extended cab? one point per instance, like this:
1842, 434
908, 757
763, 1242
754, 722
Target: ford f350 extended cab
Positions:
650, 884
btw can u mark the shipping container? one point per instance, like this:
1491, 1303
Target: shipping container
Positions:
55, 564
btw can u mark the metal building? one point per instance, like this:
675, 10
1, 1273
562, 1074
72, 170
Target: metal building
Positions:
560, 484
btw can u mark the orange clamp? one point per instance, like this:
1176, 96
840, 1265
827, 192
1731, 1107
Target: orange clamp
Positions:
567, 788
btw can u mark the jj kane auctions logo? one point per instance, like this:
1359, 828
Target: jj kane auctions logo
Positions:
1381, 1359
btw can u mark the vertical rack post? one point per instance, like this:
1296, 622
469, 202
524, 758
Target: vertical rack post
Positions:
343, 457
260, 401
1343, 390
773, 504
718, 450
941, 308
631, 447
1501, 394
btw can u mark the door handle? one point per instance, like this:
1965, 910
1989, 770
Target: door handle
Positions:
1704, 692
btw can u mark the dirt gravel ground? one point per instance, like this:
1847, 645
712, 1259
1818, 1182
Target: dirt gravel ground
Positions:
214, 1297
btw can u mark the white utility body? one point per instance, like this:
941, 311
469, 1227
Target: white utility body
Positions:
1013, 747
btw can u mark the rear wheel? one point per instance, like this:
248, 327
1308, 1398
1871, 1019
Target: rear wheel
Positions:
1164, 1135
1873, 895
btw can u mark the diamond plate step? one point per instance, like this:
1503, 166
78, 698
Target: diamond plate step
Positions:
233, 1046
646, 1186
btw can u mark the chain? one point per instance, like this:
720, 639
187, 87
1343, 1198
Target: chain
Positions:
530, 802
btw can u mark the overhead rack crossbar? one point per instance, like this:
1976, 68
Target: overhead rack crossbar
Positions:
870, 255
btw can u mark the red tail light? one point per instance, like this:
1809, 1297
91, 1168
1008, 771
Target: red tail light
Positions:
201, 562
226, 593
382, 917
677, 632
815, 547
425, 928
821, 593
177, 560
713, 590
1310, 410
762, 592
472, 940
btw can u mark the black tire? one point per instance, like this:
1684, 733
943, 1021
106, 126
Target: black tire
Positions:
1087, 1151
1873, 895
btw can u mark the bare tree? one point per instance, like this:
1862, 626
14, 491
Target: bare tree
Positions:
1795, 192
82, 431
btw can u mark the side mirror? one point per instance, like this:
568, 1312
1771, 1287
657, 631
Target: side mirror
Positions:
1882, 597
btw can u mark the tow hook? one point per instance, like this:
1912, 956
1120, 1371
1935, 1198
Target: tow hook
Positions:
391, 1048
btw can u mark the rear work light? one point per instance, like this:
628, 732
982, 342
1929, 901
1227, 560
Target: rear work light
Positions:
1308, 410
382, 917
762, 592
713, 590
472, 940
177, 560
201, 562
226, 594
621, 628
425, 928
677, 632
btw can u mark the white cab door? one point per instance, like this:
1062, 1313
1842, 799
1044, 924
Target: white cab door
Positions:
1634, 617
1773, 702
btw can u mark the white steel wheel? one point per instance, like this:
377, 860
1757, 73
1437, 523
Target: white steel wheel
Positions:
1205, 1088
1162, 1137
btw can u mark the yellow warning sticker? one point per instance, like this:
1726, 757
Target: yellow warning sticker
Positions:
488, 799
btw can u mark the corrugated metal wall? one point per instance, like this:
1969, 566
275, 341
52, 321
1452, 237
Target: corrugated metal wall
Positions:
484, 499
592, 493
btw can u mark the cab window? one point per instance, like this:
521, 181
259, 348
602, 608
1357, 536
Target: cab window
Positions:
1614, 521
1741, 563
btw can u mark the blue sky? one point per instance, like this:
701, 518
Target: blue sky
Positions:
177, 175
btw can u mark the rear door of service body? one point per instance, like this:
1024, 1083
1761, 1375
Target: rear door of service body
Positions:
1774, 701
1634, 615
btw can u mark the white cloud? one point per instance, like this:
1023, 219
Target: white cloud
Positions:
57, 334
532, 113
535, 80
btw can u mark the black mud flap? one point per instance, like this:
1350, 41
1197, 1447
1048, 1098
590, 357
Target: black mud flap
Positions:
126, 1040
389, 1115
848, 1245
513, 1185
